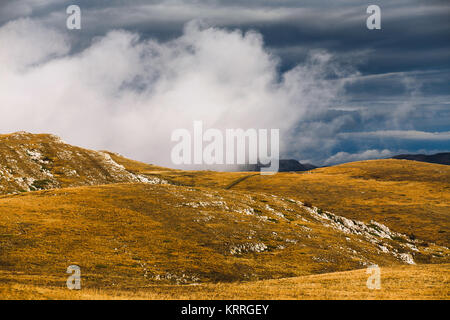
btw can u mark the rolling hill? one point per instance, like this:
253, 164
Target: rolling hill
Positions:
419, 282
133, 227
31, 162
408, 196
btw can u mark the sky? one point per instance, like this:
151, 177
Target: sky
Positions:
137, 70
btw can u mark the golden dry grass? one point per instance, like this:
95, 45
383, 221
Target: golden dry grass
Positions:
144, 241
408, 196
401, 282
126, 236
137, 166
120, 232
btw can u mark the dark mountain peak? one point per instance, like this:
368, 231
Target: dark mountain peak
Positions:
285, 165
439, 158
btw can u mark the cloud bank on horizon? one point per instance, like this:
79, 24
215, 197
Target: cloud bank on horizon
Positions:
125, 81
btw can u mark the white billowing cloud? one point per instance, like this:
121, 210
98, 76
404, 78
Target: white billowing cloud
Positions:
365, 155
25, 42
127, 95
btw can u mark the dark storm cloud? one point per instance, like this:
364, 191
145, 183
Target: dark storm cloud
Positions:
414, 33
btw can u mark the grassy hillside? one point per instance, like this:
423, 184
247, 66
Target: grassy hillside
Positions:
132, 226
401, 282
30, 162
408, 196
132, 235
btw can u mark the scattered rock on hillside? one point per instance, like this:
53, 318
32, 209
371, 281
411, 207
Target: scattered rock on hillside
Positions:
30, 162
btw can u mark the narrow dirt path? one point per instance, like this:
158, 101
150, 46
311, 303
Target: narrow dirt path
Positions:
235, 182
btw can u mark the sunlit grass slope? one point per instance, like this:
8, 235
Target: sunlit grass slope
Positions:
130, 235
400, 282
131, 226
408, 196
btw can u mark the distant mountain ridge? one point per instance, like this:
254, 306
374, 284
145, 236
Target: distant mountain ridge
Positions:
285, 165
438, 158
